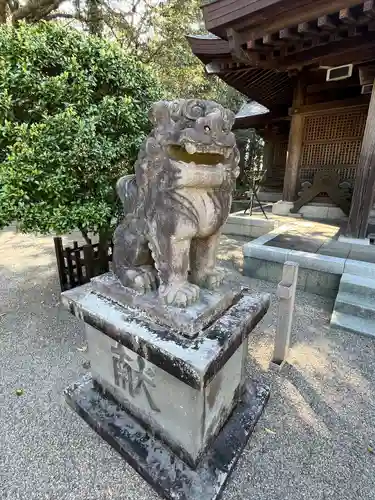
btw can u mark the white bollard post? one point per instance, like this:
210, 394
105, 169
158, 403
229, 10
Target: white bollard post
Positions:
286, 292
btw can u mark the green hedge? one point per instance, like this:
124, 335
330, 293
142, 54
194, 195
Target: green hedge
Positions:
73, 113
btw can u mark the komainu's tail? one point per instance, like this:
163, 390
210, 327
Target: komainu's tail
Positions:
127, 191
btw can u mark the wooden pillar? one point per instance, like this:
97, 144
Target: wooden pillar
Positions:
363, 193
295, 143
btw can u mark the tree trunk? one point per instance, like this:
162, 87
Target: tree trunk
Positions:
95, 17
3, 11
33, 10
85, 235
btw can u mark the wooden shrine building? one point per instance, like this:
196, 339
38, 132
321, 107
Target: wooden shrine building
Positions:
311, 63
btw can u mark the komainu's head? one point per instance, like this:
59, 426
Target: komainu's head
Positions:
194, 130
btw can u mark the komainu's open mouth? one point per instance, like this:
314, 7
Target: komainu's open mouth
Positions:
189, 153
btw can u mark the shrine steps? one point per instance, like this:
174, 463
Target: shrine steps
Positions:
354, 309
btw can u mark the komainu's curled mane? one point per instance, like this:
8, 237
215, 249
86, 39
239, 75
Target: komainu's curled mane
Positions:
177, 201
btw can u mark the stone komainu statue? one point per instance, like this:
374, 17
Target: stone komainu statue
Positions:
177, 201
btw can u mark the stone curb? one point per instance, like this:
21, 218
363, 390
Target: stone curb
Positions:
307, 260
251, 221
267, 237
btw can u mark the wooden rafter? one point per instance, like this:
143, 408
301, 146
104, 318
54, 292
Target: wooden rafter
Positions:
272, 40
289, 34
308, 29
361, 53
296, 14
257, 46
338, 48
267, 87
304, 43
325, 23
346, 16
238, 53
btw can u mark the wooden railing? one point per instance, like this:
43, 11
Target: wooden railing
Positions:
78, 264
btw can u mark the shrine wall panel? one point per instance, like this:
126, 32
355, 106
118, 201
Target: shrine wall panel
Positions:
332, 141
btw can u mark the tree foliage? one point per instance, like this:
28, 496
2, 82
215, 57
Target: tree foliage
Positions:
73, 113
156, 31
152, 30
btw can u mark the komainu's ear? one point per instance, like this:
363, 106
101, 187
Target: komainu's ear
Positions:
159, 113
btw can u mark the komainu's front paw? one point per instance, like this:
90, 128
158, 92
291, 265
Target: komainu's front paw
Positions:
179, 294
211, 280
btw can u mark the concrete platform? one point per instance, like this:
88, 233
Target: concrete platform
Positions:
321, 208
315, 246
241, 224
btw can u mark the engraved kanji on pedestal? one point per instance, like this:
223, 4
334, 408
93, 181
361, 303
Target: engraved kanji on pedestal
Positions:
133, 380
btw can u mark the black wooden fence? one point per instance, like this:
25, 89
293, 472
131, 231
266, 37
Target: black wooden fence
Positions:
78, 264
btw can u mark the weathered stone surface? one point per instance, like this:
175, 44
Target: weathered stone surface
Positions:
177, 202
166, 472
183, 389
193, 361
184, 417
286, 292
189, 321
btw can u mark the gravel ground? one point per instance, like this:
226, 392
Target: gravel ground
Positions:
312, 441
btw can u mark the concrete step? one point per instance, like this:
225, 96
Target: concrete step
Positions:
352, 324
357, 286
355, 305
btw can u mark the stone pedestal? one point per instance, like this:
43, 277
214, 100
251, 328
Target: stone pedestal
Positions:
179, 409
